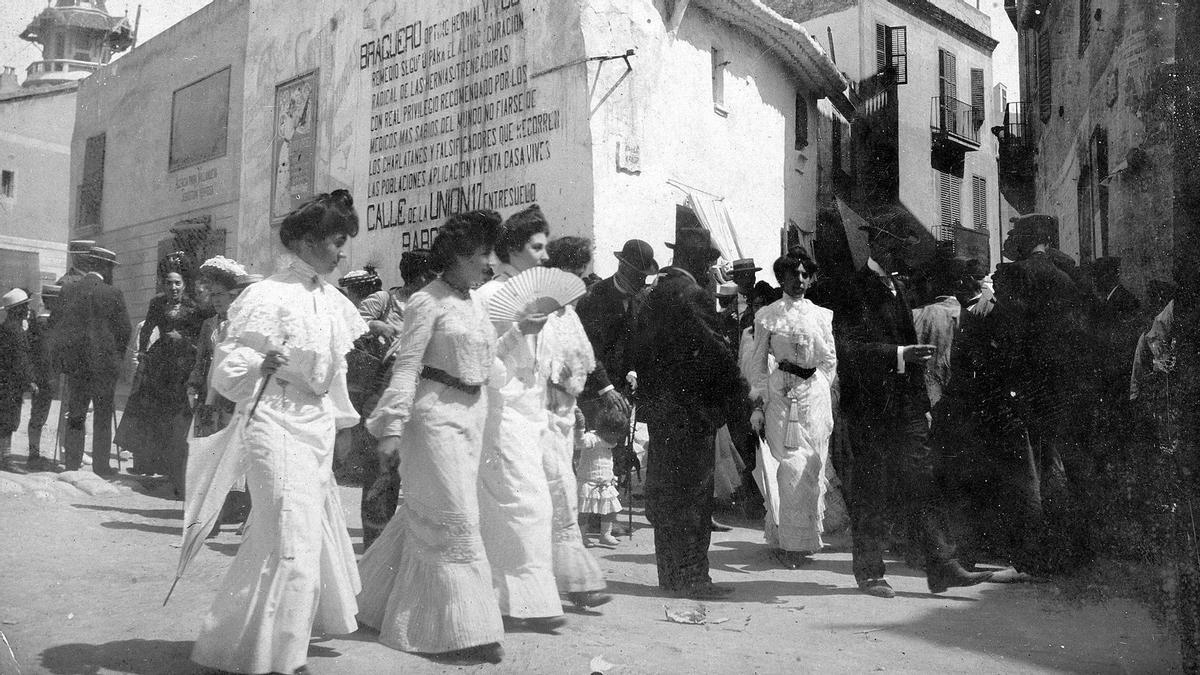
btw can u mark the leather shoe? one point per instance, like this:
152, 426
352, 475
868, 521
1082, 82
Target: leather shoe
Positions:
104, 471
717, 527
538, 624
705, 590
40, 463
583, 599
951, 574
879, 588
489, 653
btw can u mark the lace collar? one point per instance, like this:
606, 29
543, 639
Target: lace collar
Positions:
295, 265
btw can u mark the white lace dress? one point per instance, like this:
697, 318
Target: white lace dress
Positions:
565, 356
427, 584
516, 510
294, 572
798, 417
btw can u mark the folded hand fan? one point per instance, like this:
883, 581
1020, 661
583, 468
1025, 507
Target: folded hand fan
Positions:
539, 290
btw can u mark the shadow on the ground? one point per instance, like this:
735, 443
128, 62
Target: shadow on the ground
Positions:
230, 549
166, 514
760, 590
144, 527
140, 657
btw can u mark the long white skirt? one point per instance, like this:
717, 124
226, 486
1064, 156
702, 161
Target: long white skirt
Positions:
793, 480
575, 569
427, 585
294, 572
516, 513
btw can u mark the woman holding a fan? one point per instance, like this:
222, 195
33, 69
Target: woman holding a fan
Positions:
283, 363
427, 584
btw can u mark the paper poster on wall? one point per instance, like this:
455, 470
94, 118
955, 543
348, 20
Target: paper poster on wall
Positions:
295, 143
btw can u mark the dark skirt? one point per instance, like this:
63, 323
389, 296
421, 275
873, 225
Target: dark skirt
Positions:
154, 424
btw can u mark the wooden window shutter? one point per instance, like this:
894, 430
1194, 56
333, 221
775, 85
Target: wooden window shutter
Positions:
897, 53
91, 187
977, 97
881, 50
950, 205
979, 202
1085, 24
1043, 74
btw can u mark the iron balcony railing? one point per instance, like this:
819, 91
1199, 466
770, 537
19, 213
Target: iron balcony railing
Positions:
1018, 118
956, 119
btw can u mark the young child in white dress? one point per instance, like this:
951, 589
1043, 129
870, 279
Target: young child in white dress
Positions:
594, 470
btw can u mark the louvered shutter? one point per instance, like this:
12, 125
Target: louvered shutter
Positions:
977, 98
950, 205
881, 50
979, 202
1085, 24
948, 90
897, 48
91, 188
1043, 74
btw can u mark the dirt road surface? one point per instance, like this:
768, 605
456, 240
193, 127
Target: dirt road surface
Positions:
83, 576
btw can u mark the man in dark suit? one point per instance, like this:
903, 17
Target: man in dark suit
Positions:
882, 371
688, 381
606, 313
89, 331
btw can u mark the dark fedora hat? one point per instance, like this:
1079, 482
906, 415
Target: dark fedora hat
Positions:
695, 239
744, 266
1041, 226
639, 255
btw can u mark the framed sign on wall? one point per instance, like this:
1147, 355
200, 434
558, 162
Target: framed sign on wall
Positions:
295, 143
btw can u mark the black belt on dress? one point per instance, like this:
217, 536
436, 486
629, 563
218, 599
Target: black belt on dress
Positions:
793, 369
442, 377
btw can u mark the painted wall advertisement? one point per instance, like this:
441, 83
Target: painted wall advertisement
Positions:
456, 121
294, 144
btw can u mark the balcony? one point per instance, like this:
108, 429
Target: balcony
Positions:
57, 71
954, 123
1018, 155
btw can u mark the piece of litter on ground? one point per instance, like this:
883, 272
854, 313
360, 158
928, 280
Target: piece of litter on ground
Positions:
599, 665
696, 615
71, 615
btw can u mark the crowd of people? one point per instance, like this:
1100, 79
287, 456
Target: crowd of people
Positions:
954, 416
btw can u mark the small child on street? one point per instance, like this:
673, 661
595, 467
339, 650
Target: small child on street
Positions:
16, 370
594, 472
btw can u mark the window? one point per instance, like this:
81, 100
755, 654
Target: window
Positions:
1099, 153
891, 51
949, 189
718, 79
91, 188
60, 46
979, 202
8, 183
1085, 24
801, 121
978, 103
200, 121
1045, 106
948, 92
1086, 215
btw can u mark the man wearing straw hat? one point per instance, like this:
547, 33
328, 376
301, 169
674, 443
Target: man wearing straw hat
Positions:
88, 334
16, 369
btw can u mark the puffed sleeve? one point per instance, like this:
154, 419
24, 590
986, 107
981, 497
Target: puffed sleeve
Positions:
757, 368
236, 371
420, 319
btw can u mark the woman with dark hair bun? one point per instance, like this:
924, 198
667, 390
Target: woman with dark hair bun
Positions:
793, 410
154, 424
427, 582
283, 364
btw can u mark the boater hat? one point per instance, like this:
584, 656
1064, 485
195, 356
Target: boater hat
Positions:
13, 298
638, 255
100, 253
743, 266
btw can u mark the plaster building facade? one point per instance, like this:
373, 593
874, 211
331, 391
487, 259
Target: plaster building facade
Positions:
1092, 140
37, 120
921, 72
621, 118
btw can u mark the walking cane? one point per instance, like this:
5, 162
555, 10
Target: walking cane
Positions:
115, 425
629, 467
62, 415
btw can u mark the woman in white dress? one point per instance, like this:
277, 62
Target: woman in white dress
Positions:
427, 584
514, 495
793, 409
565, 356
283, 364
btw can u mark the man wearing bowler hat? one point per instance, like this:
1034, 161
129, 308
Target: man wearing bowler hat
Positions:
89, 331
606, 313
688, 382
882, 371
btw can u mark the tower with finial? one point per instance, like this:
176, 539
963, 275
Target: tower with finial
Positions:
76, 37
